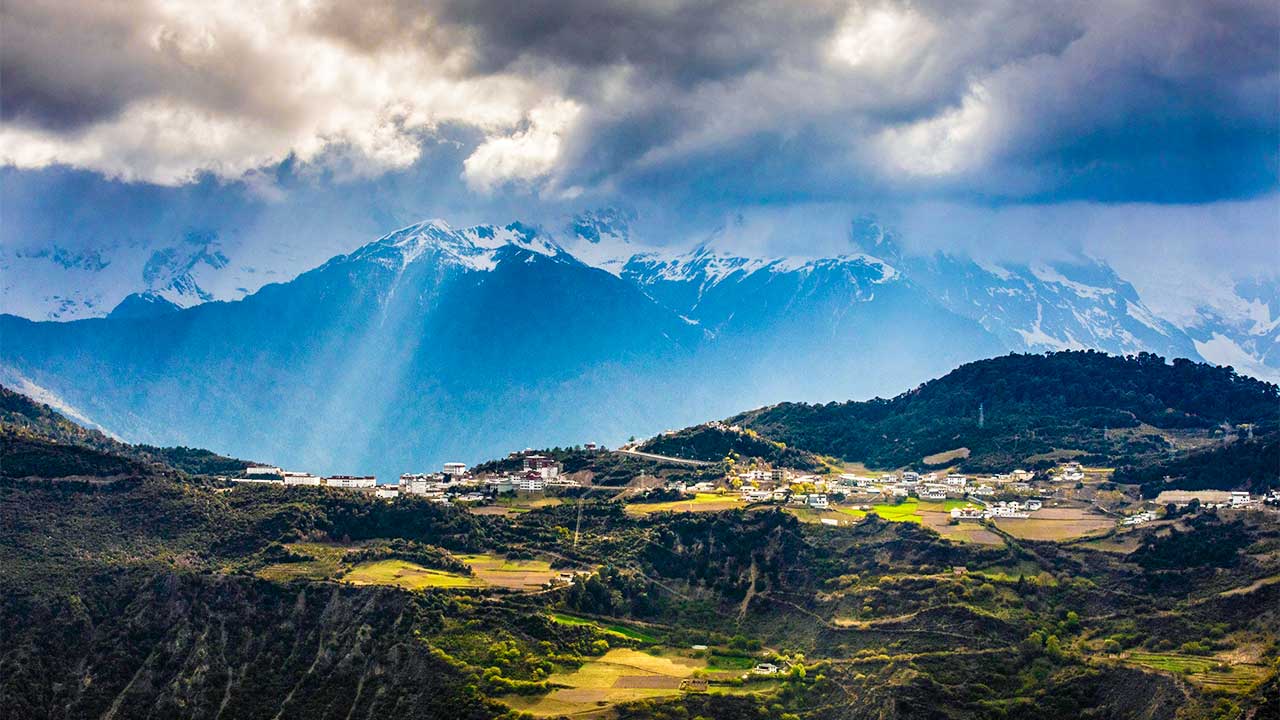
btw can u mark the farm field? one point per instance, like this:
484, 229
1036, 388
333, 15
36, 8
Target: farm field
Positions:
407, 575
950, 456
1182, 497
512, 574
325, 563
620, 675
971, 532
702, 502
1204, 671
1056, 524
620, 630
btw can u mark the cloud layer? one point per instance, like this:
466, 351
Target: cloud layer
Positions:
687, 103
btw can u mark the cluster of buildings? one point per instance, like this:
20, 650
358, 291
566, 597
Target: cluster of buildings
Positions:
276, 476
781, 485
936, 488
454, 482
1010, 509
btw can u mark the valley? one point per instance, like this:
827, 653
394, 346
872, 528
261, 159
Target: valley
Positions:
715, 571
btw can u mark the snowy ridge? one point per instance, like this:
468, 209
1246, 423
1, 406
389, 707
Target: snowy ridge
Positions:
474, 248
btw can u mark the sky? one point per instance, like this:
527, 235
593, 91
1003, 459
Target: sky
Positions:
1145, 132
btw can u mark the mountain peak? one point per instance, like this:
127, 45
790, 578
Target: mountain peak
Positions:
474, 247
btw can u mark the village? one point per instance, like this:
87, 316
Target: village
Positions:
964, 498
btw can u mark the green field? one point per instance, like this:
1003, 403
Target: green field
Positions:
407, 575
1201, 670
702, 502
909, 510
325, 563
609, 628
500, 571
620, 675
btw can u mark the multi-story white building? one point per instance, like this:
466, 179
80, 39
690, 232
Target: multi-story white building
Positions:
301, 478
351, 482
531, 481
455, 469
262, 470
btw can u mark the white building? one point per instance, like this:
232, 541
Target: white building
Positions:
1240, 498
455, 469
351, 482
957, 481
1139, 519
818, 502
933, 492
389, 492
301, 478
261, 470
531, 482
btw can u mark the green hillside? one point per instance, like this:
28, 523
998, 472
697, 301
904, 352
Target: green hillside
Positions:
715, 443
1008, 410
154, 593
28, 428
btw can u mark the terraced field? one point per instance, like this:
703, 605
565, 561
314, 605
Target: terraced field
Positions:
1204, 671
325, 563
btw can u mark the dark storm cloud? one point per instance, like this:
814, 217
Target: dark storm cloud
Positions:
686, 102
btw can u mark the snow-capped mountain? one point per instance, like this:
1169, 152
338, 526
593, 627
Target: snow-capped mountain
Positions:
58, 284
438, 343
1239, 325
1035, 307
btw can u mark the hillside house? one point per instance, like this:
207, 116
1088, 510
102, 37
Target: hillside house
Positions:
818, 502
933, 492
263, 470
1139, 519
968, 512
455, 469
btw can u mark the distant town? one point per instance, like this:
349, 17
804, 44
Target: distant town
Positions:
1018, 494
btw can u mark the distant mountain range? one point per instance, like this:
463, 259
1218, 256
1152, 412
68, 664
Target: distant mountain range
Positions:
434, 343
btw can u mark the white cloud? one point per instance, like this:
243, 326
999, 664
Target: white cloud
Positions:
228, 94
881, 36
954, 141
525, 155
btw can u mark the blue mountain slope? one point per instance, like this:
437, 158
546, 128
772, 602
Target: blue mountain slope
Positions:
434, 343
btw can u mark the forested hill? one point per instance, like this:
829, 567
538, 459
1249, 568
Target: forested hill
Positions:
36, 440
1098, 404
